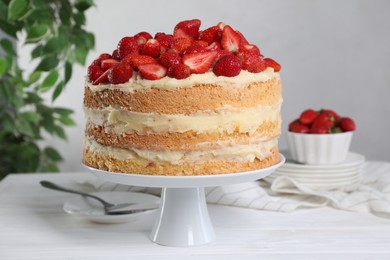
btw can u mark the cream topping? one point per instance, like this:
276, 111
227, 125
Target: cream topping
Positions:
225, 119
239, 81
236, 153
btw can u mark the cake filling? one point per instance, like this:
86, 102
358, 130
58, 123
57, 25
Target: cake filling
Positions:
236, 153
225, 119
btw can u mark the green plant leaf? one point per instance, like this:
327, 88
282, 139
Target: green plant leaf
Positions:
81, 55
34, 77
37, 51
24, 127
62, 111
57, 91
8, 47
67, 121
52, 154
68, 72
33, 98
49, 81
48, 63
83, 5
30, 116
8, 28
3, 66
59, 131
36, 32
17, 9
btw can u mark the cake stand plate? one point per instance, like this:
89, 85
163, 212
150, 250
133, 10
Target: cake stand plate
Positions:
183, 219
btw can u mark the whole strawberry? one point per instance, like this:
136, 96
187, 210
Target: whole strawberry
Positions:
120, 73
179, 71
347, 124
308, 116
228, 66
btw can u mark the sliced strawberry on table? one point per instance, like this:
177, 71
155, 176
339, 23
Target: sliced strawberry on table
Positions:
179, 71
273, 64
168, 59
152, 48
212, 34
180, 45
108, 63
120, 73
94, 72
308, 116
199, 62
126, 46
347, 124
188, 27
152, 71
230, 39
102, 79
228, 66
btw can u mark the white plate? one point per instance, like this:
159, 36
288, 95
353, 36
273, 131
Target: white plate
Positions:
93, 210
322, 175
319, 180
353, 160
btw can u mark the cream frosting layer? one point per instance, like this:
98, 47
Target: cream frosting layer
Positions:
239, 81
225, 119
236, 153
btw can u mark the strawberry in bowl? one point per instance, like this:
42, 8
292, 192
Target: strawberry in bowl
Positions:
320, 137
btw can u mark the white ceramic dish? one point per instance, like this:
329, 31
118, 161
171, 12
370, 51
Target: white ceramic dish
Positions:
92, 210
319, 149
352, 160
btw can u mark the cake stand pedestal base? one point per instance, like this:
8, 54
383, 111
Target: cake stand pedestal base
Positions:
183, 218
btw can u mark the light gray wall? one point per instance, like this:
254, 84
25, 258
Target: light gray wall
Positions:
335, 54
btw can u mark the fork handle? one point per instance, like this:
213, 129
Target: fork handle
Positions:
53, 186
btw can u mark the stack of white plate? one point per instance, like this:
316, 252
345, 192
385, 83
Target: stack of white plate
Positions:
322, 177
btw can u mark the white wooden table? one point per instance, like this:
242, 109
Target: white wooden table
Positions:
34, 226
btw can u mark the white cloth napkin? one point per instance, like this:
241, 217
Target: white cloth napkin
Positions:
285, 194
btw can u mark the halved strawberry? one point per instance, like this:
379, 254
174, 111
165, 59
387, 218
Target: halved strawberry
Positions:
126, 46
108, 63
94, 72
230, 39
199, 62
243, 40
195, 48
228, 66
137, 60
142, 38
189, 27
179, 33
165, 40
152, 48
169, 59
179, 71
251, 58
215, 46
152, 71
273, 64
105, 56
221, 25
180, 45
102, 79
212, 34
120, 73
115, 54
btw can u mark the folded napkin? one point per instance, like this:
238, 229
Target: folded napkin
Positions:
285, 194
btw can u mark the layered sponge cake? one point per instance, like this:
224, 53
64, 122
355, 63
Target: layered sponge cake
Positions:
189, 103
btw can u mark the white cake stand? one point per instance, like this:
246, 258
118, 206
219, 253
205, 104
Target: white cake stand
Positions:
183, 218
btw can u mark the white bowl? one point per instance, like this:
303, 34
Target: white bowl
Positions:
319, 149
